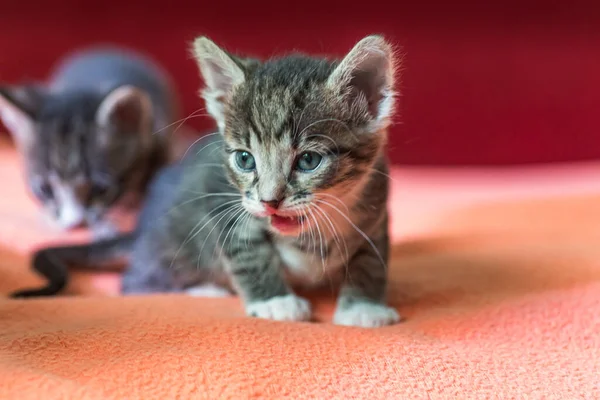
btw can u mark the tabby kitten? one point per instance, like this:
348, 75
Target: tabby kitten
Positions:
86, 137
291, 191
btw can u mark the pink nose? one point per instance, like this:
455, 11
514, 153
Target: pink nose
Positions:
271, 205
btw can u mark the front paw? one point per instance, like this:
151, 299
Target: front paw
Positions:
366, 315
281, 308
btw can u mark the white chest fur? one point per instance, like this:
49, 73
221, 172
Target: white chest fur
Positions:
303, 269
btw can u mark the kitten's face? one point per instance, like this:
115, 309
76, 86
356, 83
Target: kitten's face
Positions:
301, 134
71, 166
59, 170
290, 150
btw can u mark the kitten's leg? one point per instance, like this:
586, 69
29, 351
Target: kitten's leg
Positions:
362, 297
257, 276
149, 267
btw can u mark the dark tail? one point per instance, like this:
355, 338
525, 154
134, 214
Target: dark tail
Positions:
52, 262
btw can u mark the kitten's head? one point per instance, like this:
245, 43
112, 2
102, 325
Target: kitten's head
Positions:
76, 147
299, 130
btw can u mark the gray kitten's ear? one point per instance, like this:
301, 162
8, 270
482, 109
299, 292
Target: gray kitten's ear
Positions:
126, 110
221, 73
18, 108
366, 74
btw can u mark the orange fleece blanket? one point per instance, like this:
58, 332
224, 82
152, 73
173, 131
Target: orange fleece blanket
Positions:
496, 272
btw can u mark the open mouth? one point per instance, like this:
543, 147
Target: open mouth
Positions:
286, 223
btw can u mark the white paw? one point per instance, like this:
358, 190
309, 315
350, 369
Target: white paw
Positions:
281, 308
208, 290
366, 315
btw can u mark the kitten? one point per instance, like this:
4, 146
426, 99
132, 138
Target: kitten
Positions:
292, 190
86, 138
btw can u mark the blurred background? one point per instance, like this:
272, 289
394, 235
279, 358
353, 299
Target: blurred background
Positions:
483, 83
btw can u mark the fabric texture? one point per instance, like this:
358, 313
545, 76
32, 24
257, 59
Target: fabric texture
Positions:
496, 273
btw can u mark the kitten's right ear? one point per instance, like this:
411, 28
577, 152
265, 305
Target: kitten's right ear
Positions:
127, 112
18, 107
221, 73
365, 77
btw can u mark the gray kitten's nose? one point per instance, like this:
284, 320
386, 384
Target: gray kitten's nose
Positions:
271, 204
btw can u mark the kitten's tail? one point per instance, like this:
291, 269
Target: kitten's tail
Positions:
52, 262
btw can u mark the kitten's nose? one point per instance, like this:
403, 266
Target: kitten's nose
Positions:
271, 205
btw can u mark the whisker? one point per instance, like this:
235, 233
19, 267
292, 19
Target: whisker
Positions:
186, 119
232, 211
202, 197
336, 235
384, 174
191, 235
357, 229
194, 114
300, 216
208, 145
187, 239
339, 238
207, 165
313, 236
320, 237
237, 216
334, 198
326, 137
196, 141
245, 229
243, 219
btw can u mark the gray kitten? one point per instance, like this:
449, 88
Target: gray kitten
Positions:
291, 191
86, 137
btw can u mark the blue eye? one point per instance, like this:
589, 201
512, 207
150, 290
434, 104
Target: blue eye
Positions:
309, 161
245, 160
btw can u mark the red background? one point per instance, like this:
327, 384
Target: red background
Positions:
496, 83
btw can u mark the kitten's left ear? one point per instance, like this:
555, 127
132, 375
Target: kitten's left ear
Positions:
126, 110
221, 72
18, 108
366, 77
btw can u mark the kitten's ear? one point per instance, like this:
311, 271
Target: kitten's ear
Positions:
125, 110
18, 107
221, 73
366, 74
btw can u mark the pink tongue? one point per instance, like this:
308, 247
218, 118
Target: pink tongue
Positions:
283, 223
